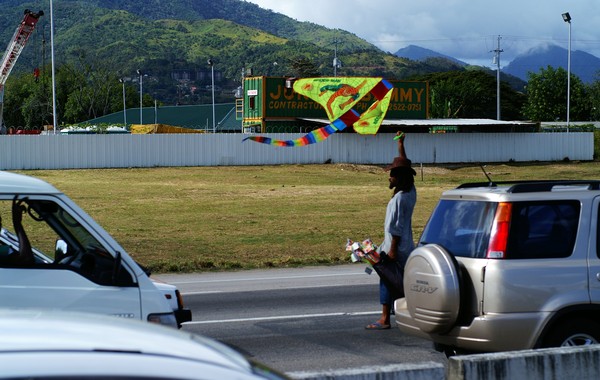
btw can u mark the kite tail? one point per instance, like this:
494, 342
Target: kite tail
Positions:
310, 138
313, 137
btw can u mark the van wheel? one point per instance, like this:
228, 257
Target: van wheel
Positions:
575, 332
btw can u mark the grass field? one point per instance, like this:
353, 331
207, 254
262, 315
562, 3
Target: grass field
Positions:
224, 218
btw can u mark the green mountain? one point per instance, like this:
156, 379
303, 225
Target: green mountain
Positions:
171, 41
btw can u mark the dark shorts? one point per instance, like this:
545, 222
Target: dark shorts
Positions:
385, 297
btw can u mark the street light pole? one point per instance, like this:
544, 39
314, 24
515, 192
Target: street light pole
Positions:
54, 111
141, 76
212, 75
122, 80
567, 18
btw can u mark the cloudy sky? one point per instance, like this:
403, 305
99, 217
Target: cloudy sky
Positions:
466, 30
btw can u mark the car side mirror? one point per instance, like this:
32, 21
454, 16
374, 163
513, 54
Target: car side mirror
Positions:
60, 250
61, 247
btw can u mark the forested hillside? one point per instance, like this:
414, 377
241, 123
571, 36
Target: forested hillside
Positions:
184, 33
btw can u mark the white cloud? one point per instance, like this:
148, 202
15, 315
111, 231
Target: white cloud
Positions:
463, 29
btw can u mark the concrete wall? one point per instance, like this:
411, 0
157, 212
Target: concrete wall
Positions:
554, 363
22, 152
420, 371
575, 363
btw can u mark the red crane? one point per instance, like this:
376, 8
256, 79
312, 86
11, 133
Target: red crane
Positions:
15, 47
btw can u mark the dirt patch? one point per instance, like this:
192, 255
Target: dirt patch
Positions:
360, 168
378, 169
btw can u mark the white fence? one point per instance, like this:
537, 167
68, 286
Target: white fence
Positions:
121, 151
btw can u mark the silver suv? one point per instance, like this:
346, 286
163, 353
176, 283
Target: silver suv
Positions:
507, 266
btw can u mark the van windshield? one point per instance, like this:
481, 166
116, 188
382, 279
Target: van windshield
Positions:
461, 227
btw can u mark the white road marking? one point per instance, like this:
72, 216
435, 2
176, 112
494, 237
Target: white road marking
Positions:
254, 290
264, 278
200, 293
304, 316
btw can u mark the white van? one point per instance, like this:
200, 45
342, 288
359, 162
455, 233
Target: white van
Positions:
54, 255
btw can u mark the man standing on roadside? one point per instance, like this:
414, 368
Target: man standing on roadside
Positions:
398, 239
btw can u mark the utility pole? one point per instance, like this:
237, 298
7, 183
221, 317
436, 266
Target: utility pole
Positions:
336, 62
497, 62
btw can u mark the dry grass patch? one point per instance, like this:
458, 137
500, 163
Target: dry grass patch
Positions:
221, 218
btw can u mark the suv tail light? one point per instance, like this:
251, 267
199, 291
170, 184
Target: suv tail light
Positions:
500, 228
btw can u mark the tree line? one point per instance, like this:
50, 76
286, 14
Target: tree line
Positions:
473, 94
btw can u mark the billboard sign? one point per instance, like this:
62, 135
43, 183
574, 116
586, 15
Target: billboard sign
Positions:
409, 100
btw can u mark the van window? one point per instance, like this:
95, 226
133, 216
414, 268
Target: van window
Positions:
461, 227
57, 240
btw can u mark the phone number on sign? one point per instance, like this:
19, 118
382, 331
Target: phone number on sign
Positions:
405, 107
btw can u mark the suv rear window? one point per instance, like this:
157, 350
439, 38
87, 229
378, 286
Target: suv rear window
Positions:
543, 229
540, 229
461, 227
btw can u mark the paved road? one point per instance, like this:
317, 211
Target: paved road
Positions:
298, 319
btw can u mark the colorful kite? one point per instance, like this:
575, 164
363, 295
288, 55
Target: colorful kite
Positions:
338, 95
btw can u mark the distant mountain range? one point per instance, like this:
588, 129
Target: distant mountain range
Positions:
417, 53
420, 54
586, 66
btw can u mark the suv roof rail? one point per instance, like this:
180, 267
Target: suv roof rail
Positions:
534, 186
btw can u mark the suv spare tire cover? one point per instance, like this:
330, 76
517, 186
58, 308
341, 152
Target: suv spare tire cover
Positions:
432, 289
